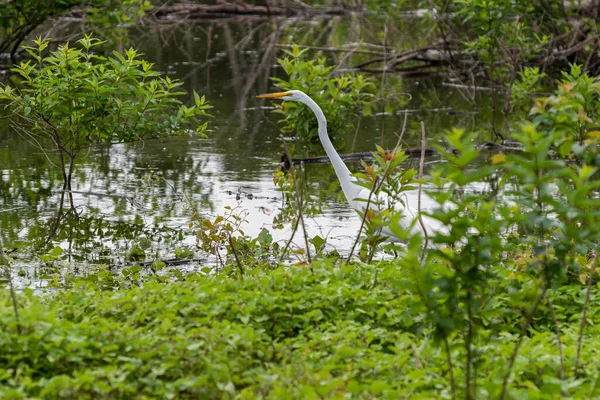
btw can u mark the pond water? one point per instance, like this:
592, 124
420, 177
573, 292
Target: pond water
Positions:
229, 61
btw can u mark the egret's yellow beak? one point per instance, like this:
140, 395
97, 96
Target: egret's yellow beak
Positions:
272, 95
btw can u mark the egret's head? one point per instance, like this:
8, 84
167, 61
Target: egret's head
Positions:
290, 95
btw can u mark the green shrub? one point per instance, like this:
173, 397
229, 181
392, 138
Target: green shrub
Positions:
289, 333
74, 98
342, 98
570, 115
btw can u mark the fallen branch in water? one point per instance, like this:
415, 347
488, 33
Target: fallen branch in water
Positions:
226, 9
132, 200
332, 49
413, 152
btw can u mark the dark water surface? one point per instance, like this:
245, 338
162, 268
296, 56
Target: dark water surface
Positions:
229, 62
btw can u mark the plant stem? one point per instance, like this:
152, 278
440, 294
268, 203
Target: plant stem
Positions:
69, 176
515, 352
364, 217
450, 368
237, 260
558, 340
468, 343
585, 308
421, 164
289, 241
298, 202
375, 279
14, 298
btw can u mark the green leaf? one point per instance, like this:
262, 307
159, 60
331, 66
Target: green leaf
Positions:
56, 252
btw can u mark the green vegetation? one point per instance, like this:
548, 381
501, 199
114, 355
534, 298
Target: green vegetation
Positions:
18, 19
342, 331
74, 98
501, 303
343, 98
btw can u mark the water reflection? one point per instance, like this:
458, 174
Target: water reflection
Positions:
229, 62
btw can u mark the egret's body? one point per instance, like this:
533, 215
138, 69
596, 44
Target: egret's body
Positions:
356, 195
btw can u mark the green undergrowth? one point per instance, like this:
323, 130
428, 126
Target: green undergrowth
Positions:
340, 332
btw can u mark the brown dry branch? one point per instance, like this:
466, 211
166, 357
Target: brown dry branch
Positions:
435, 52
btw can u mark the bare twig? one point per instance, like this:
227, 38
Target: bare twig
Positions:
400, 57
227, 9
513, 77
13, 296
289, 241
561, 54
331, 49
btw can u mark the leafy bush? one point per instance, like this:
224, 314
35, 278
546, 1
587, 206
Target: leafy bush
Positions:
337, 332
75, 98
570, 115
542, 225
342, 98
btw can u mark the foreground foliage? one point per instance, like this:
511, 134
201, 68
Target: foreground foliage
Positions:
501, 304
342, 331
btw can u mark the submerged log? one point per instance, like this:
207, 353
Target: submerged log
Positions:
225, 9
368, 156
354, 157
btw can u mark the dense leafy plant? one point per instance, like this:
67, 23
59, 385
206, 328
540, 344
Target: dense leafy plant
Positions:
570, 115
547, 219
116, 15
342, 98
337, 332
523, 88
387, 182
74, 98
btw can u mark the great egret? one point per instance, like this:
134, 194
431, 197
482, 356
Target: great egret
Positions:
355, 194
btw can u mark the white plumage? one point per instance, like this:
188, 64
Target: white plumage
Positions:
357, 195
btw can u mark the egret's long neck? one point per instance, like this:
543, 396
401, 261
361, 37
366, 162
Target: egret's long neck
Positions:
350, 189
